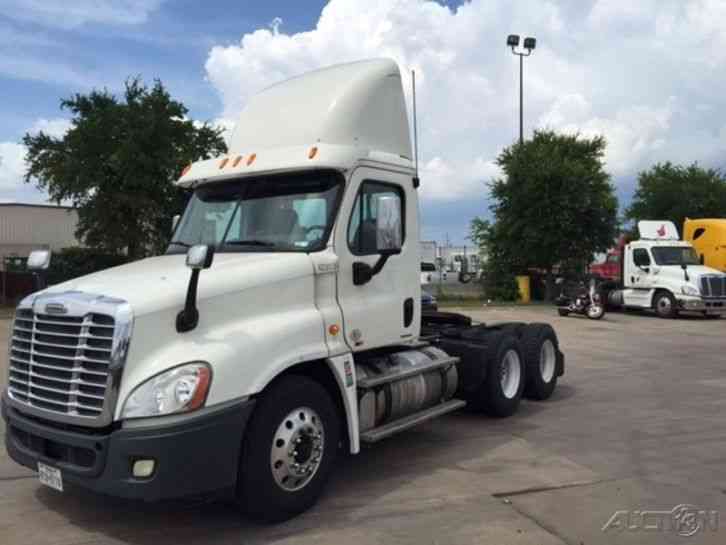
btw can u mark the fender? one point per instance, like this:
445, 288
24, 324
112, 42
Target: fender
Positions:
343, 368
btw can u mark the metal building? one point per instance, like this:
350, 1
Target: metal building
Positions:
26, 227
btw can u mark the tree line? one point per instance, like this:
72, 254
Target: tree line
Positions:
555, 207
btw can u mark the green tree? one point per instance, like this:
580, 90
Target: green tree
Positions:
554, 205
117, 165
673, 192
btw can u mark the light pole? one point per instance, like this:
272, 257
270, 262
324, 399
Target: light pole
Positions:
529, 45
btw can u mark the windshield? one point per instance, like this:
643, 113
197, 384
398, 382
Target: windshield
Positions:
675, 255
281, 213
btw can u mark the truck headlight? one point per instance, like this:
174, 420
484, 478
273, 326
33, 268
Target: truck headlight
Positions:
690, 290
177, 390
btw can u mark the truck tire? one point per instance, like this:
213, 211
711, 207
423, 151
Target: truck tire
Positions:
500, 393
539, 348
665, 305
563, 312
288, 450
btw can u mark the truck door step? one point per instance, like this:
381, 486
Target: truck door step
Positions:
381, 432
371, 382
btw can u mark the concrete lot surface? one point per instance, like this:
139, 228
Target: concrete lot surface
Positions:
638, 423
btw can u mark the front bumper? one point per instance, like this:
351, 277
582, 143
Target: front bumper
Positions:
699, 304
196, 456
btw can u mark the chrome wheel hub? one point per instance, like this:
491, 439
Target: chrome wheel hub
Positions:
547, 361
510, 373
297, 449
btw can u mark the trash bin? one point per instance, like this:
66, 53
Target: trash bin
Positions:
524, 292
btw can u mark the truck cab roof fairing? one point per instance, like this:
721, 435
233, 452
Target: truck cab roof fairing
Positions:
359, 104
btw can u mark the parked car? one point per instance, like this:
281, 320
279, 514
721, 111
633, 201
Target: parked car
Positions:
428, 302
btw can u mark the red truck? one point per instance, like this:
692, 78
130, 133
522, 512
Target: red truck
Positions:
610, 268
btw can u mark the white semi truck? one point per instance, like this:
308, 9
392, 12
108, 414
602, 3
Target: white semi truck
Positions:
294, 331
663, 273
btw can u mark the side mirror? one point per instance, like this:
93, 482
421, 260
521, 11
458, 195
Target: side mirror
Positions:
39, 260
175, 222
38, 263
389, 238
389, 229
198, 257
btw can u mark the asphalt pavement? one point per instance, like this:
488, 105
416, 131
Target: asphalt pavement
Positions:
635, 429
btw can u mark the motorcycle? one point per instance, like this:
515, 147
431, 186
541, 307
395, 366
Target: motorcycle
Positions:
580, 299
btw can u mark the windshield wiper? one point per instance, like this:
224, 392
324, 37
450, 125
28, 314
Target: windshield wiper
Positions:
251, 242
180, 243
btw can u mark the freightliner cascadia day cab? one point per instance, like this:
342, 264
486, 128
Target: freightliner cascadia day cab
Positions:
293, 332
663, 273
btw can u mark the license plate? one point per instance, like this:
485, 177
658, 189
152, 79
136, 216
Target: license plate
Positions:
50, 476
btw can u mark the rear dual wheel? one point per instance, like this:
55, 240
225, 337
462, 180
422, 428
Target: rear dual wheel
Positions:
540, 347
500, 393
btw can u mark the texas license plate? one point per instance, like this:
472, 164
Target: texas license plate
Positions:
50, 476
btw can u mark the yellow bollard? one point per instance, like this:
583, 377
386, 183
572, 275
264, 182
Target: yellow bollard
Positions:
524, 293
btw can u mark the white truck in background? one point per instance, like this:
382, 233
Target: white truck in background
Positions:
294, 331
663, 273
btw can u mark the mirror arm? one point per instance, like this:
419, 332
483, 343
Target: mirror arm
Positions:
363, 273
39, 281
188, 318
378, 267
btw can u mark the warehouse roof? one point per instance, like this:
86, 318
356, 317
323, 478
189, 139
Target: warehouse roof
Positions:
36, 205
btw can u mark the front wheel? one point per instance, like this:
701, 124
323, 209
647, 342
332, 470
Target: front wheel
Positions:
595, 311
288, 450
665, 305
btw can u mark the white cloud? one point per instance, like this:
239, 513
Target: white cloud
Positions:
634, 134
56, 127
628, 70
12, 165
74, 13
12, 155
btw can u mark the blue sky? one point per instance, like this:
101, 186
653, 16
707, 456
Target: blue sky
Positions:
646, 74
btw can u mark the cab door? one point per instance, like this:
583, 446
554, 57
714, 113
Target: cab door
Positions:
384, 308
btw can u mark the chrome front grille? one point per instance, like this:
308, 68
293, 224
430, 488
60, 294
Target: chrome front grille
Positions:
61, 363
66, 365
713, 286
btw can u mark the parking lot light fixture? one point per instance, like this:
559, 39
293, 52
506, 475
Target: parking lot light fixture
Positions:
529, 45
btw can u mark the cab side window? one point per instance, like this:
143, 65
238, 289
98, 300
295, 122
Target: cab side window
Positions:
641, 257
362, 235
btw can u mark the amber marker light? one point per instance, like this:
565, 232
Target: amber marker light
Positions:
334, 330
236, 161
223, 163
313, 152
200, 394
251, 159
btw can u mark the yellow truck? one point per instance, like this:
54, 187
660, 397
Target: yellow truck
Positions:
708, 237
